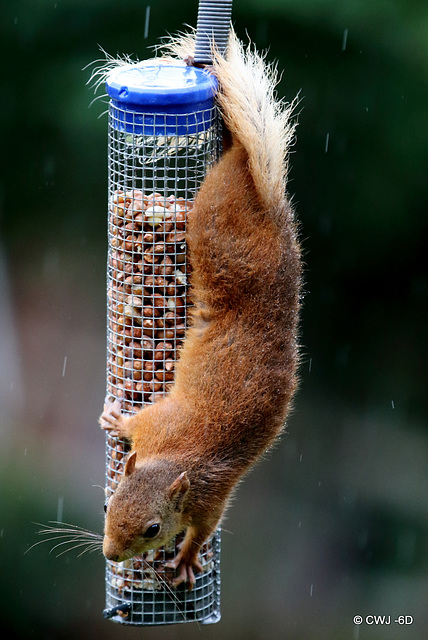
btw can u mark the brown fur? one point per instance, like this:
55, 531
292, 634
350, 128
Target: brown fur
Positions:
237, 370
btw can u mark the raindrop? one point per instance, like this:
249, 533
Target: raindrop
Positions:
327, 139
392, 404
311, 591
146, 24
64, 366
344, 39
310, 365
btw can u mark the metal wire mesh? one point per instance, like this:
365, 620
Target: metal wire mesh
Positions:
153, 180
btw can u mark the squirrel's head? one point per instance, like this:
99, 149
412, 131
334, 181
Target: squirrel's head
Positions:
146, 510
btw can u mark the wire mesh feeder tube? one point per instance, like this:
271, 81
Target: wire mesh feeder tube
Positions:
163, 136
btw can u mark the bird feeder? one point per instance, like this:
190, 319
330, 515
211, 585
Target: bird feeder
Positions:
163, 136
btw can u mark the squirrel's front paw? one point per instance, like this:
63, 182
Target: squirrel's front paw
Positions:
112, 421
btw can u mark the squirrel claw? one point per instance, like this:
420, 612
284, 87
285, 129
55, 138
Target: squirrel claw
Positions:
111, 418
186, 571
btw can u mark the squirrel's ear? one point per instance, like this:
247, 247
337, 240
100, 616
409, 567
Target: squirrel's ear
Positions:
179, 490
130, 463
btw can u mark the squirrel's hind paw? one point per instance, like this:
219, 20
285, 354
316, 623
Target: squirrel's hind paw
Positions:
185, 571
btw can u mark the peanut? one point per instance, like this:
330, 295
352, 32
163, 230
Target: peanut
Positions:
147, 293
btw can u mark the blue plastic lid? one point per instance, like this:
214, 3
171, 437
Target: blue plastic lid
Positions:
146, 97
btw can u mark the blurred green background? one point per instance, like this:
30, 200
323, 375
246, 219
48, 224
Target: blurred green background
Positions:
334, 523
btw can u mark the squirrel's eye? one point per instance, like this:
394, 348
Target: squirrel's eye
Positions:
152, 531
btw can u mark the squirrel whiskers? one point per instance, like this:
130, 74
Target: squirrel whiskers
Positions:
236, 375
69, 534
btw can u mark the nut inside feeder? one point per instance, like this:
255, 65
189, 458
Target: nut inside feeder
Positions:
163, 137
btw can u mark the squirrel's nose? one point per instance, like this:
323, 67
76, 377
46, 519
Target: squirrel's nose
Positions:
109, 551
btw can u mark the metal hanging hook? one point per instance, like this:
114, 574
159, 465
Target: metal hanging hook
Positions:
213, 26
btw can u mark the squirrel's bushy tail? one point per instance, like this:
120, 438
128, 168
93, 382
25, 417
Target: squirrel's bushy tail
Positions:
255, 117
251, 111
242, 237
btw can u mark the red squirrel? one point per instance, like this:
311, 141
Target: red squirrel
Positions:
236, 374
